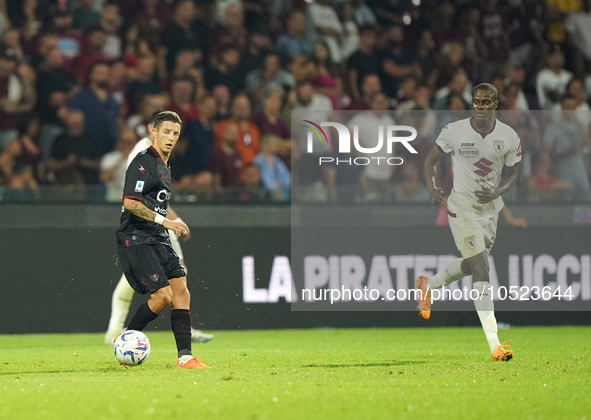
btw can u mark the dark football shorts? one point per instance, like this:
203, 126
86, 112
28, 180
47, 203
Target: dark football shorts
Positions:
149, 267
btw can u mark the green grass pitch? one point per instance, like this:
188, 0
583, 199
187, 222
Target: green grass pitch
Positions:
430, 373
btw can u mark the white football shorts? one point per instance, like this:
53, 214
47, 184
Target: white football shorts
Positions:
471, 235
176, 245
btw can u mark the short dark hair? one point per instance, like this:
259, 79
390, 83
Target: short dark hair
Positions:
166, 116
487, 87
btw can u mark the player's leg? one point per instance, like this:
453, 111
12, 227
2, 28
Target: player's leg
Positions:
455, 270
120, 302
196, 335
180, 321
143, 270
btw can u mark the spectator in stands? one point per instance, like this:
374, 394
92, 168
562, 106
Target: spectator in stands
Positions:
452, 59
326, 79
377, 175
576, 89
23, 151
363, 62
363, 14
516, 76
54, 84
101, 112
69, 40
151, 21
231, 34
109, 23
222, 97
467, 33
17, 93
410, 188
180, 35
225, 161
271, 74
555, 13
494, 33
93, 52
458, 85
274, 174
184, 66
259, 46
248, 137
566, 141
118, 85
294, 41
144, 82
11, 39
148, 104
350, 41
426, 58
252, 192
542, 185
370, 84
396, 62
183, 99
325, 26
551, 81
226, 71
578, 26
301, 68
269, 120
22, 186
85, 14
199, 135
113, 165
524, 22
74, 156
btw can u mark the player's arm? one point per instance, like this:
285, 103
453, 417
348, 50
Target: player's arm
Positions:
139, 210
487, 195
429, 171
173, 215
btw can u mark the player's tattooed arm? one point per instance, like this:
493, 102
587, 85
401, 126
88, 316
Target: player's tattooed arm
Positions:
138, 209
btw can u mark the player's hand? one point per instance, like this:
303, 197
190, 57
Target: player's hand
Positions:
485, 195
519, 222
179, 227
436, 196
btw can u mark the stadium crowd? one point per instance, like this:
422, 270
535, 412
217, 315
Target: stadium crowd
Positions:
81, 79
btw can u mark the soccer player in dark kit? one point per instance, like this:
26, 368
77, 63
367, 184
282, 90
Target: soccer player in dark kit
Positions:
150, 264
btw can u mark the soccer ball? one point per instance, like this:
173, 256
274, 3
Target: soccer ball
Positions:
132, 348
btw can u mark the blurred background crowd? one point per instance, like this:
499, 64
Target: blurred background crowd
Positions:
81, 79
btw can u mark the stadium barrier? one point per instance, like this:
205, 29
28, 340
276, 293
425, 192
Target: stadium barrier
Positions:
61, 279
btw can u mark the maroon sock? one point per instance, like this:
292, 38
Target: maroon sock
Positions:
142, 317
180, 320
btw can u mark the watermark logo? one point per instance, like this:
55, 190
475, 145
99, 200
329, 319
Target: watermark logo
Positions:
387, 136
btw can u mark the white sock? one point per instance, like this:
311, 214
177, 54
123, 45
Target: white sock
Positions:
448, 275
485, 308
122, 297
184, 359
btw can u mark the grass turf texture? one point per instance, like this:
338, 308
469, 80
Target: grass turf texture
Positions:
430, 373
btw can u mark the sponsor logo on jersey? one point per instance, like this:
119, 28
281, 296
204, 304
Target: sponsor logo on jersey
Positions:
162, 196
468, 152
467, 144
161, 210
142, 170
139, 186
498, 145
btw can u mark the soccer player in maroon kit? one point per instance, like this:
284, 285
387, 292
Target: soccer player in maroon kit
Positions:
150, 264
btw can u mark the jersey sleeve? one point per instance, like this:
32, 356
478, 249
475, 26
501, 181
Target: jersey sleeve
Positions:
138, 180
513, 156
443, 142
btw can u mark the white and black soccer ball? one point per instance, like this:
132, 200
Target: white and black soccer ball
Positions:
132, 348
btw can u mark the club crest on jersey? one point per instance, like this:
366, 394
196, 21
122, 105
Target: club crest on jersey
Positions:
142, 170
139, 186
498, 145
470, 242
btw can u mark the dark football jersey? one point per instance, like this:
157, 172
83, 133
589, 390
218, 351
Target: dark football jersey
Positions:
147, 180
